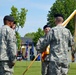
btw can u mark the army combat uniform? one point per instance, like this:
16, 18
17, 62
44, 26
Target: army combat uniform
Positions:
7, 50
59, 39
45, 62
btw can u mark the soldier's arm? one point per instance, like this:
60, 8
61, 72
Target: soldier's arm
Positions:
12, 46
42, 46
38, 43
71, 41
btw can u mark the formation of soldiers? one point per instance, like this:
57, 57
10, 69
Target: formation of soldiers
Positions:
58, 38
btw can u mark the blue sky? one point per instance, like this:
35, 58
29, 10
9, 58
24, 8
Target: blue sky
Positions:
36, 16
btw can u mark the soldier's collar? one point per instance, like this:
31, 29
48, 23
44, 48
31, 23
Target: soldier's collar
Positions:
59, 25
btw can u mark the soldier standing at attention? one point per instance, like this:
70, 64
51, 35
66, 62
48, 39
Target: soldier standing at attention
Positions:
44, 58
59, 39
7, 46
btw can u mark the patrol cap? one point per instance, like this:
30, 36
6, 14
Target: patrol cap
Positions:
58, 15
46, 26
9, 18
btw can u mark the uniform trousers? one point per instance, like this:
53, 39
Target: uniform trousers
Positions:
5, 68
45, 67
54, 68
57, 68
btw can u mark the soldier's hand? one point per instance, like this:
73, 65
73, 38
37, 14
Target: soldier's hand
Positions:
11, 64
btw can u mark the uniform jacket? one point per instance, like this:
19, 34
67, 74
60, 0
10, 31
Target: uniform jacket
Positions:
7, 44
39, 42
59, 39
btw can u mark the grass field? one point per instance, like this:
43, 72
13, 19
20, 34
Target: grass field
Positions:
72, 70
36, 68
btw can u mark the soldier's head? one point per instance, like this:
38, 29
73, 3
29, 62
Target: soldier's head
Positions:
8, 20
46, 29
58, 19
14, 26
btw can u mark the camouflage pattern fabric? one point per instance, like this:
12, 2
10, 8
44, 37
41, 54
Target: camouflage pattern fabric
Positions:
5, 69
7, 50
60, 39
44, 63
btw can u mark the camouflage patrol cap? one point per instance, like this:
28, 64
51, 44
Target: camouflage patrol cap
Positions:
9, 18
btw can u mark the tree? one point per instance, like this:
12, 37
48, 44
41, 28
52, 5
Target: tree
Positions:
37, 35
20, 18
64, 7
30, 35
18, 40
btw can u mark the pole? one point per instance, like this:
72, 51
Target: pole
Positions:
30, 64
68, 19
75, 35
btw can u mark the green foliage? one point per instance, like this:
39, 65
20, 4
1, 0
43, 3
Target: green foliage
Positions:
64, 7
21, 66
37, 35
20, 18
30, 35
18, 40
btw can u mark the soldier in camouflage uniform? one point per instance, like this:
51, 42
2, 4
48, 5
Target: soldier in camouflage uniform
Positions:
59, 39
7, 46
45, 62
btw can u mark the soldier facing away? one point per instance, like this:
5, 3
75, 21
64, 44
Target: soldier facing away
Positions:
59, 39
7, 46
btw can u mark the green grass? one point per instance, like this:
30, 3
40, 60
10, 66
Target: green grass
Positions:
72, 70
21, 66
35, 69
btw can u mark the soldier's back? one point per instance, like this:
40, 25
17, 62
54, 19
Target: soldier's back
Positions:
59, 46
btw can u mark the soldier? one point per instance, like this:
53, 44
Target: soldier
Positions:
45, 58
59, 39
7, 46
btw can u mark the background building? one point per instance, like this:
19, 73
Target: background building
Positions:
28, 49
